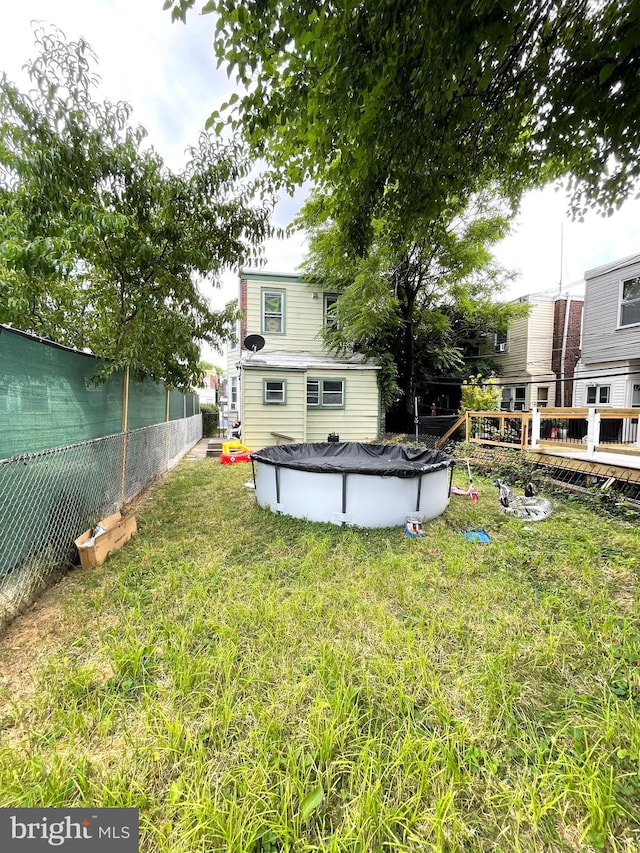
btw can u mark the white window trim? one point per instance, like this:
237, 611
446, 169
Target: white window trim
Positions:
234, 386
598, 390
622, 325
282, 402
321, 391
542, 404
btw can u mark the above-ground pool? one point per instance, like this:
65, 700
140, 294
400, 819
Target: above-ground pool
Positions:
369, 485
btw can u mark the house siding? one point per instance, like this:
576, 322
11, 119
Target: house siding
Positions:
303, 314
528, 359
601, 338
513, 362
260, 420
357, 421
539, 339
605, 374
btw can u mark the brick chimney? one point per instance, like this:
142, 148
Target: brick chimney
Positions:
565, 349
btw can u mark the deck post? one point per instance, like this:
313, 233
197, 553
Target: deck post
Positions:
535, 427
593, 431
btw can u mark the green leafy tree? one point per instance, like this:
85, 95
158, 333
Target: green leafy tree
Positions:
419, 305
101, 246
401, 108
480, 394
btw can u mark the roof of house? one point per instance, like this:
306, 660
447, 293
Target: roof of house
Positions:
306, 361
612, 266
257, 275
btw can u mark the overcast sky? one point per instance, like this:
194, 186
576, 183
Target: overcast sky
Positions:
167, 73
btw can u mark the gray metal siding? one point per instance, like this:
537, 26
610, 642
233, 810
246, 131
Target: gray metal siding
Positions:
602, 340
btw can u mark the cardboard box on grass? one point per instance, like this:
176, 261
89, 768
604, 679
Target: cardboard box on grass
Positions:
118, 530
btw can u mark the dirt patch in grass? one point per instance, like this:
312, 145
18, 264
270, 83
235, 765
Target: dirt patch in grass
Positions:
44, 629
35, 635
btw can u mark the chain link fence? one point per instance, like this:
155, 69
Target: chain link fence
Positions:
48, 499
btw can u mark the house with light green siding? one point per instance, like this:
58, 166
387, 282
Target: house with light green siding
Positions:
291, 389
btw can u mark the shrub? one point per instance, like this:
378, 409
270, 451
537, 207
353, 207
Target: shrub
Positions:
480, 395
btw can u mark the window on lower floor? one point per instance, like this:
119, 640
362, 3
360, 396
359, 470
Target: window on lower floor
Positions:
233, 388
520, 399
275, 391
635, 395
325, 393
542, 400
598, 394
514, 398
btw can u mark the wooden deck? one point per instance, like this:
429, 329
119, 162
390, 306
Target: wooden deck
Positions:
623, 467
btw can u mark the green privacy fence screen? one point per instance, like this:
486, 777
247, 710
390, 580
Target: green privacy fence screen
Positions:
48, 398
48, 499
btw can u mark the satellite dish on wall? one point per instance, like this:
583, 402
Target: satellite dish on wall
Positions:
253, 343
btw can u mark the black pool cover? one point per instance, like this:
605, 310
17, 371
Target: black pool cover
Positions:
384, 460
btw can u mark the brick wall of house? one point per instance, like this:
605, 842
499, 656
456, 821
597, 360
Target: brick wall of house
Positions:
572, 349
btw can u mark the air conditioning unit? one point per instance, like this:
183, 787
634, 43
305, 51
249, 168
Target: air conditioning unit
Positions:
502, 347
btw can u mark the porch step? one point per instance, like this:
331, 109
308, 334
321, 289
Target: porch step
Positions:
214, 447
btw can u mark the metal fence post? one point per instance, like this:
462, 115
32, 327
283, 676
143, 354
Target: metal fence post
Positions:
125, 426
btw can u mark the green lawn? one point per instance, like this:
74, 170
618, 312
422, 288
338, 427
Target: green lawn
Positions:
257, 684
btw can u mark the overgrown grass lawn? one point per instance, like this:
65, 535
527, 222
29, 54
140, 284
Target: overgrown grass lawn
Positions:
254, 683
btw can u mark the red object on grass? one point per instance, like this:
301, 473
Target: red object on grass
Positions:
231, 458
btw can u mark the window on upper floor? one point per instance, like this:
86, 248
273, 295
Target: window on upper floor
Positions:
273, 311
630, 302
330, 300
501, 342
274, 391
598, 394
325, 393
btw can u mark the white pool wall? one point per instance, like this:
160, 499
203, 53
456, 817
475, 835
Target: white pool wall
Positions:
370, 500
